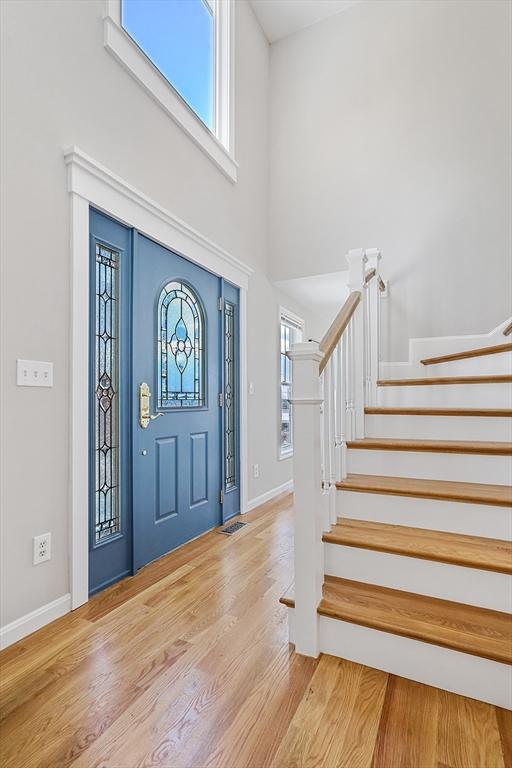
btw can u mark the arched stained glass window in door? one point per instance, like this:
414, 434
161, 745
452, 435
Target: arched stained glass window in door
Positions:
180, 348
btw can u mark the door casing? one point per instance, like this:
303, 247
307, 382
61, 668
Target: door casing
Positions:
91, 184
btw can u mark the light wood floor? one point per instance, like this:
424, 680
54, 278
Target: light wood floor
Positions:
187, 665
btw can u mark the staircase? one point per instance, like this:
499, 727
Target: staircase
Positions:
403, 497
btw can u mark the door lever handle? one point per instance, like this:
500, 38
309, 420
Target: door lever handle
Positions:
144, 416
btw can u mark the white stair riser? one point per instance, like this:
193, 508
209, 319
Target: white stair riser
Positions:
486, 365
439, 427
447, 396
433, 514
459, 467
433, 665
485, 589
461, 673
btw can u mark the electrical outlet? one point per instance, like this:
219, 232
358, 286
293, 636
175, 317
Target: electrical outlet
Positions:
42, 548
34, 373
255, 471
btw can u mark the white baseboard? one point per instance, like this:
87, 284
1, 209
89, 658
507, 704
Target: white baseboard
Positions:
284, 488
34, 620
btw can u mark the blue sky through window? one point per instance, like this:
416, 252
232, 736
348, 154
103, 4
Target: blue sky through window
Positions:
178, 37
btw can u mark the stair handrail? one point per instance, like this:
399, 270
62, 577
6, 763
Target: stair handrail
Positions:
337, 328
337, 377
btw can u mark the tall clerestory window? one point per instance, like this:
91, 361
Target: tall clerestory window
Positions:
179, 52
290, 332
178, 36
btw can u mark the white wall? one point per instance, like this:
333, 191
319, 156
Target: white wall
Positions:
390, 127
60, 87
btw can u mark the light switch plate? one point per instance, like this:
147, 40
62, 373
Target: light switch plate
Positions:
34, 373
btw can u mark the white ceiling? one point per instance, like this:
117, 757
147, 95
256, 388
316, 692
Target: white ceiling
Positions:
323, 294
280, 18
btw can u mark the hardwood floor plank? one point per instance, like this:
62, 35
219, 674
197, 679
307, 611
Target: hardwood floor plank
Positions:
468, 733
187, 665
407, 733
355, 732
504, 720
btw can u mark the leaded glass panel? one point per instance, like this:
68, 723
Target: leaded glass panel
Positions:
229, 395
180, 348
106, 403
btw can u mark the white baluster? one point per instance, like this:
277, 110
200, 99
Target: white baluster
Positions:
356, 261
332, 441
326, 441
373, 255
339, 409
344, 413
308, 548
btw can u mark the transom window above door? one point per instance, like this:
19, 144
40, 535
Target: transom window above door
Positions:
179, 52
178, 36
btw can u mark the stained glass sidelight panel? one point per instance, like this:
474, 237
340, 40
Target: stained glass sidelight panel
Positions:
229, 395
180, 348
106, 404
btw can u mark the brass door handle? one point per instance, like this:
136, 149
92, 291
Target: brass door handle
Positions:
144, 415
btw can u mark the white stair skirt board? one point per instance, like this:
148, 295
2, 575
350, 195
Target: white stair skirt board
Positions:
460, 467
25, 625
453, 671
498, 428
446, 395
486, 365
485, 589
433, 514
434, 665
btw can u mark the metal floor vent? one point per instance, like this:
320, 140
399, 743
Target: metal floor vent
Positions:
233, 528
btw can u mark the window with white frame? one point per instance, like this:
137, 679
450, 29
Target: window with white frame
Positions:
290, 332
178, 36
180, 52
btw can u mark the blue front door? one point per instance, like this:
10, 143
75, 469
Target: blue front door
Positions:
177, 466
164, 401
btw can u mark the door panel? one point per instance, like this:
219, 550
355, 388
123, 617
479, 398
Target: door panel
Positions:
176, 350
110, 528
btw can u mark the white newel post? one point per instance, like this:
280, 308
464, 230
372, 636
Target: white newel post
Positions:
309, 557
356, 274
373, 256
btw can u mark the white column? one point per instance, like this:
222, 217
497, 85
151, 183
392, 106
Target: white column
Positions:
309, 554
356, 266
373, 297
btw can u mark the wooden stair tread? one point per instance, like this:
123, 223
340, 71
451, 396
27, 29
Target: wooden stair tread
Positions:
486, 448
446, 490
479, 631
454, 548
466, 628
391, 411
498, 379
479, 352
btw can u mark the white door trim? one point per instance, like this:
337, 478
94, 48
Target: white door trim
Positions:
90, 183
